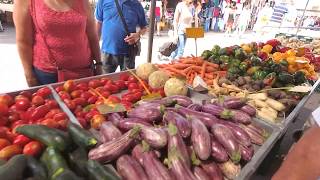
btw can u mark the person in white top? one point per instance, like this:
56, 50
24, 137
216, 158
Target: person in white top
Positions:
243, 21
183, 17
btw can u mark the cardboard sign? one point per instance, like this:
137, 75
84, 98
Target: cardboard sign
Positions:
194, 32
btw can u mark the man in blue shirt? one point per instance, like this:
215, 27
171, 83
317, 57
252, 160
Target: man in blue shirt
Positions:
115, 40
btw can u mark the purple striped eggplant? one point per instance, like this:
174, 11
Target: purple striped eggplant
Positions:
137, 153
109, 132
246, 152
240, 117
183, 125
178, 167
258, 130
230, 170
129, 123
129, 169
113, 149
255, 137
152, 105
147, 114
200, 138
218, 153
115, 118
213, 109
212, 170
251, 111
155, 137
225, 137
206, 118
154, 168
179, 99
97, 135
195, 107
175, 142
200, 174
241, 135
234, 103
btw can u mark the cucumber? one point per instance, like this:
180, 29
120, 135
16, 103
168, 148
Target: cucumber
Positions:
14, 168
36, 168
81, 137
48, 136
99, 172
54, 162
67, 175
78, 161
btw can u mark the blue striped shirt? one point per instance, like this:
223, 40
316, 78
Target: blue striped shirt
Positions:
278, 13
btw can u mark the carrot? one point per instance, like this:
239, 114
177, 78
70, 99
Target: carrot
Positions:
180, 66
190, 80
192, 61
209, 75
213, 65
221, 73
203, 69
177, 71
209, 82
210, 69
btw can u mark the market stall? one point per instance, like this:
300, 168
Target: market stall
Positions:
206, 117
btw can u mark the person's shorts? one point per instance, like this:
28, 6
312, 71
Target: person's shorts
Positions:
158, 19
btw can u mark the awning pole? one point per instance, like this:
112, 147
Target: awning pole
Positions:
151, 30
300, 22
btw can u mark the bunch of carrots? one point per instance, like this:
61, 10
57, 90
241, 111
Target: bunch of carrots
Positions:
190, 67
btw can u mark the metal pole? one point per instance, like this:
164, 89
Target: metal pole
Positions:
151, 30
304, 11
195, 40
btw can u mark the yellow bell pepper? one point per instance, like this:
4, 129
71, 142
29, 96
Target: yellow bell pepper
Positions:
277, 56
307, 73
292, 69
291, 60
246, 48
267, 48
291, 52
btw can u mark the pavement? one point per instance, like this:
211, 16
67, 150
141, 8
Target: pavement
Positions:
11, 71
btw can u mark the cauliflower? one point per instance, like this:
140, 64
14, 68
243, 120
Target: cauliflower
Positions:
175, 86
144, 70
157, 79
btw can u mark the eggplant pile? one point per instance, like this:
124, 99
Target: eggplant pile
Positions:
172, 138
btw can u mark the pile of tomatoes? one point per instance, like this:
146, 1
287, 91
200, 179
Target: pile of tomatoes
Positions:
27, 108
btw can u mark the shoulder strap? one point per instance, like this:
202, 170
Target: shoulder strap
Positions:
122, 17
41, 33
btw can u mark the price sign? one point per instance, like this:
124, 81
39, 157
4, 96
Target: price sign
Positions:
194, 32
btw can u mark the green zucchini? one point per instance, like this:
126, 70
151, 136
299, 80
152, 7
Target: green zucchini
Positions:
54, 162
67, 175
14, 168
36, 168
2, 162
81, 137
78, 161
48, 136
99, 172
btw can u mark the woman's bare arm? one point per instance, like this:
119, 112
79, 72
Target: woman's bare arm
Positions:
24, 38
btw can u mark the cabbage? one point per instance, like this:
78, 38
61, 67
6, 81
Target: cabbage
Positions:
175, 86
144, 70
157, 79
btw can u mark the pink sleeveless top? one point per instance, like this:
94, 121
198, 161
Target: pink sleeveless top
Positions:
61, 33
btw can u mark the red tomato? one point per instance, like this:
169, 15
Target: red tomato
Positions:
6, 99
127, 104
64, 95
92, 99
52, 104
21, 140
22, 104
133, 86
104, 80
52, 112
26, 94
70, 104
33, 148
80, 101
44, 92
69, 86
78, 109
39, 112
3, 121
126, 83
59, 89
86, 95
124, 76
63, 124
60, 116
100, 89
80, 114
94, 83
37, 100
10, 151
82, 86
120, 84
76, 93
50, 123
105, 94
135, 90
4, 143
114, 99
132, 79
14, 117
83, 122
4, 110
138, 95
96, 121
17, 124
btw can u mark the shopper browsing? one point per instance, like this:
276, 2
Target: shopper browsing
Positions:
183, 17
118, 44
56, 39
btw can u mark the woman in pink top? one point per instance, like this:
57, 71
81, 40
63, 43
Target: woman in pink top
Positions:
56, 39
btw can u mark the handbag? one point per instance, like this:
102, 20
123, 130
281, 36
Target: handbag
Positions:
134, 49
167, 48
64, 73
